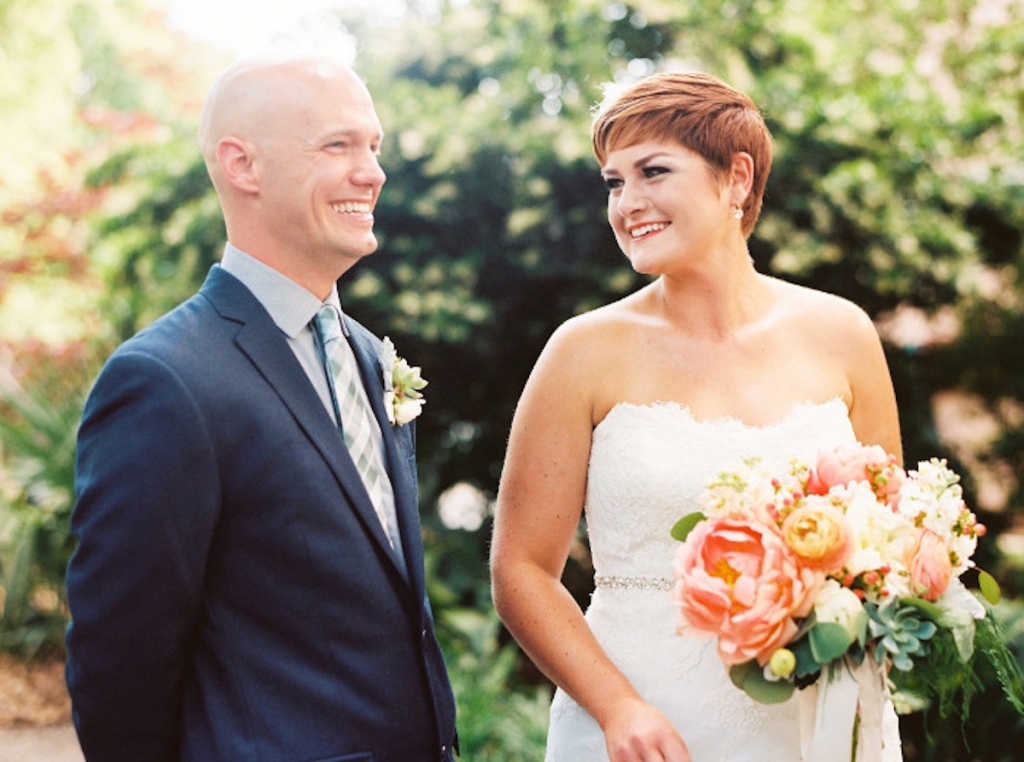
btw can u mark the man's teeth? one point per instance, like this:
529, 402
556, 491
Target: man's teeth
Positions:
351, 207
645, 229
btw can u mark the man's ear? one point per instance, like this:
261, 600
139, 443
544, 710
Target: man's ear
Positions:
741, 176
237, 160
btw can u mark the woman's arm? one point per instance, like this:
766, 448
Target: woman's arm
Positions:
540, 501
873, 411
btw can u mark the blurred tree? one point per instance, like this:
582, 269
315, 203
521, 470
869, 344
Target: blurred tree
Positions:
897, 169
895, 182
83, 81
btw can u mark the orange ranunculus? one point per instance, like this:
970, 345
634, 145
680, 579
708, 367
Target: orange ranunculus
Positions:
738, 580
820, 536
927, 559
857, 462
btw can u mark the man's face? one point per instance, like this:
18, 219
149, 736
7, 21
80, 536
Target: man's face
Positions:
319, 174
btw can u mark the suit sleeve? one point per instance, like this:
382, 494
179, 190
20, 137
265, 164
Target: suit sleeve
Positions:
147, 506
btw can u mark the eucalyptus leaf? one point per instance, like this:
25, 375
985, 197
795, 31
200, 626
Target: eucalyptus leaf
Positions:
749, 677
828, 641
682, 528
806, 664
927, 608
989, 587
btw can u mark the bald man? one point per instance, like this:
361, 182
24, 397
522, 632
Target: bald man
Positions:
241, 590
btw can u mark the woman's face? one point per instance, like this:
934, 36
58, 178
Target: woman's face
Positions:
666, 206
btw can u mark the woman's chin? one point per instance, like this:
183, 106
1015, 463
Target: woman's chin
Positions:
645, 266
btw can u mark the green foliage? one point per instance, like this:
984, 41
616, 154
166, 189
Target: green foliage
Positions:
682, 528
154, 255
749, 677
498, 720
37, 439
39, 64
989, 587
991, 685
502, 714
828, 641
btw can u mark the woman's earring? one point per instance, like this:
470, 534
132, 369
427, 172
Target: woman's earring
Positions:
737, 213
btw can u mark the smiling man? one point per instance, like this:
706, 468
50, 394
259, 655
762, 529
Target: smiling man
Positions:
248, 583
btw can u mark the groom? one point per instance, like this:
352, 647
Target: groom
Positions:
248, 583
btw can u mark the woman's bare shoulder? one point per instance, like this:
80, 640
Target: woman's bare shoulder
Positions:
602, 327
821, 313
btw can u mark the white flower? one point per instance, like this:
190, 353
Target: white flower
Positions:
748, 492
836, 604
933, 498
959, 609
962, 547
388, 358
402, 385
880, 535
405, 410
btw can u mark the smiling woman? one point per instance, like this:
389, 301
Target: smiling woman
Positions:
634, 406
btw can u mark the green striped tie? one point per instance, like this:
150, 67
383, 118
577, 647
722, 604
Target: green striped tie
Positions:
356, 419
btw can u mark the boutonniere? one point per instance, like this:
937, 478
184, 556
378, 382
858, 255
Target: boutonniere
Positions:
402, 384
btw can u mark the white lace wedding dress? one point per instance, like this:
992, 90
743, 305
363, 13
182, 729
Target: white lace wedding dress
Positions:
648, 465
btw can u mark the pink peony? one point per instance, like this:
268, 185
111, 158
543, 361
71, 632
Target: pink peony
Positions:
739, 581
820, 536
927, 559
857, 462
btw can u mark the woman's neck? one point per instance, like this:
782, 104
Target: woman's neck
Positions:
714, 305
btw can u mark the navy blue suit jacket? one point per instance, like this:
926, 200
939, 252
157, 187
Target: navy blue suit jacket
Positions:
233, 595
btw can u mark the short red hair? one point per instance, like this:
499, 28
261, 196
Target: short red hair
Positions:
700, 112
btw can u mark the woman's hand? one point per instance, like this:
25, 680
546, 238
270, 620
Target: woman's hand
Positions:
640, 733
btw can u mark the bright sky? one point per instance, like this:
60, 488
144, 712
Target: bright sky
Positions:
249, 26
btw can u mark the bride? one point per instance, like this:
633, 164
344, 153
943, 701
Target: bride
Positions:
634, 407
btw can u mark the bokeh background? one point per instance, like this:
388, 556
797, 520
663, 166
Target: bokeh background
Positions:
898, 183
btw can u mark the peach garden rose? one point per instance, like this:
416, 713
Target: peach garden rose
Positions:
851, 463
820, 535
928, 561
738, 580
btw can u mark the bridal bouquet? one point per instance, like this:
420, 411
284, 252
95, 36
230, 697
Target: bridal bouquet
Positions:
845, 562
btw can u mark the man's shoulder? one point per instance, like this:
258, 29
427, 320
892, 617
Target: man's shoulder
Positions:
208, 316
189, 322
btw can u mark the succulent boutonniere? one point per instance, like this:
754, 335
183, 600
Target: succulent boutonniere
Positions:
402, 384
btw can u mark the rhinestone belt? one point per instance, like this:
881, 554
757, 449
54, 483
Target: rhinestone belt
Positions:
634, 583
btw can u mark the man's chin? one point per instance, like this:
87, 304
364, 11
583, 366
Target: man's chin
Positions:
361, 249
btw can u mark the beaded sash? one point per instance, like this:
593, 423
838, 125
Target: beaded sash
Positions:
634, 583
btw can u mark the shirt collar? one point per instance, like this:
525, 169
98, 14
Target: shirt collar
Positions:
290, 305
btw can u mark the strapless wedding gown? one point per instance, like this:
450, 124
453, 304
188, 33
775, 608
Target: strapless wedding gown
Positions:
648, 466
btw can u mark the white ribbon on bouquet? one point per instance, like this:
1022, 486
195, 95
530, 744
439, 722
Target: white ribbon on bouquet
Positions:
841, 714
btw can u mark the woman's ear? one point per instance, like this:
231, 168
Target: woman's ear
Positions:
741, 177
237, 160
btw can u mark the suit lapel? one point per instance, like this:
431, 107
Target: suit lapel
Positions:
261, 341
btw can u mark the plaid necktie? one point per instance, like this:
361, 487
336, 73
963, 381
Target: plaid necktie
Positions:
355, 417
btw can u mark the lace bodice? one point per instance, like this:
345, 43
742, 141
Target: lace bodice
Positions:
649, 464
648, 467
